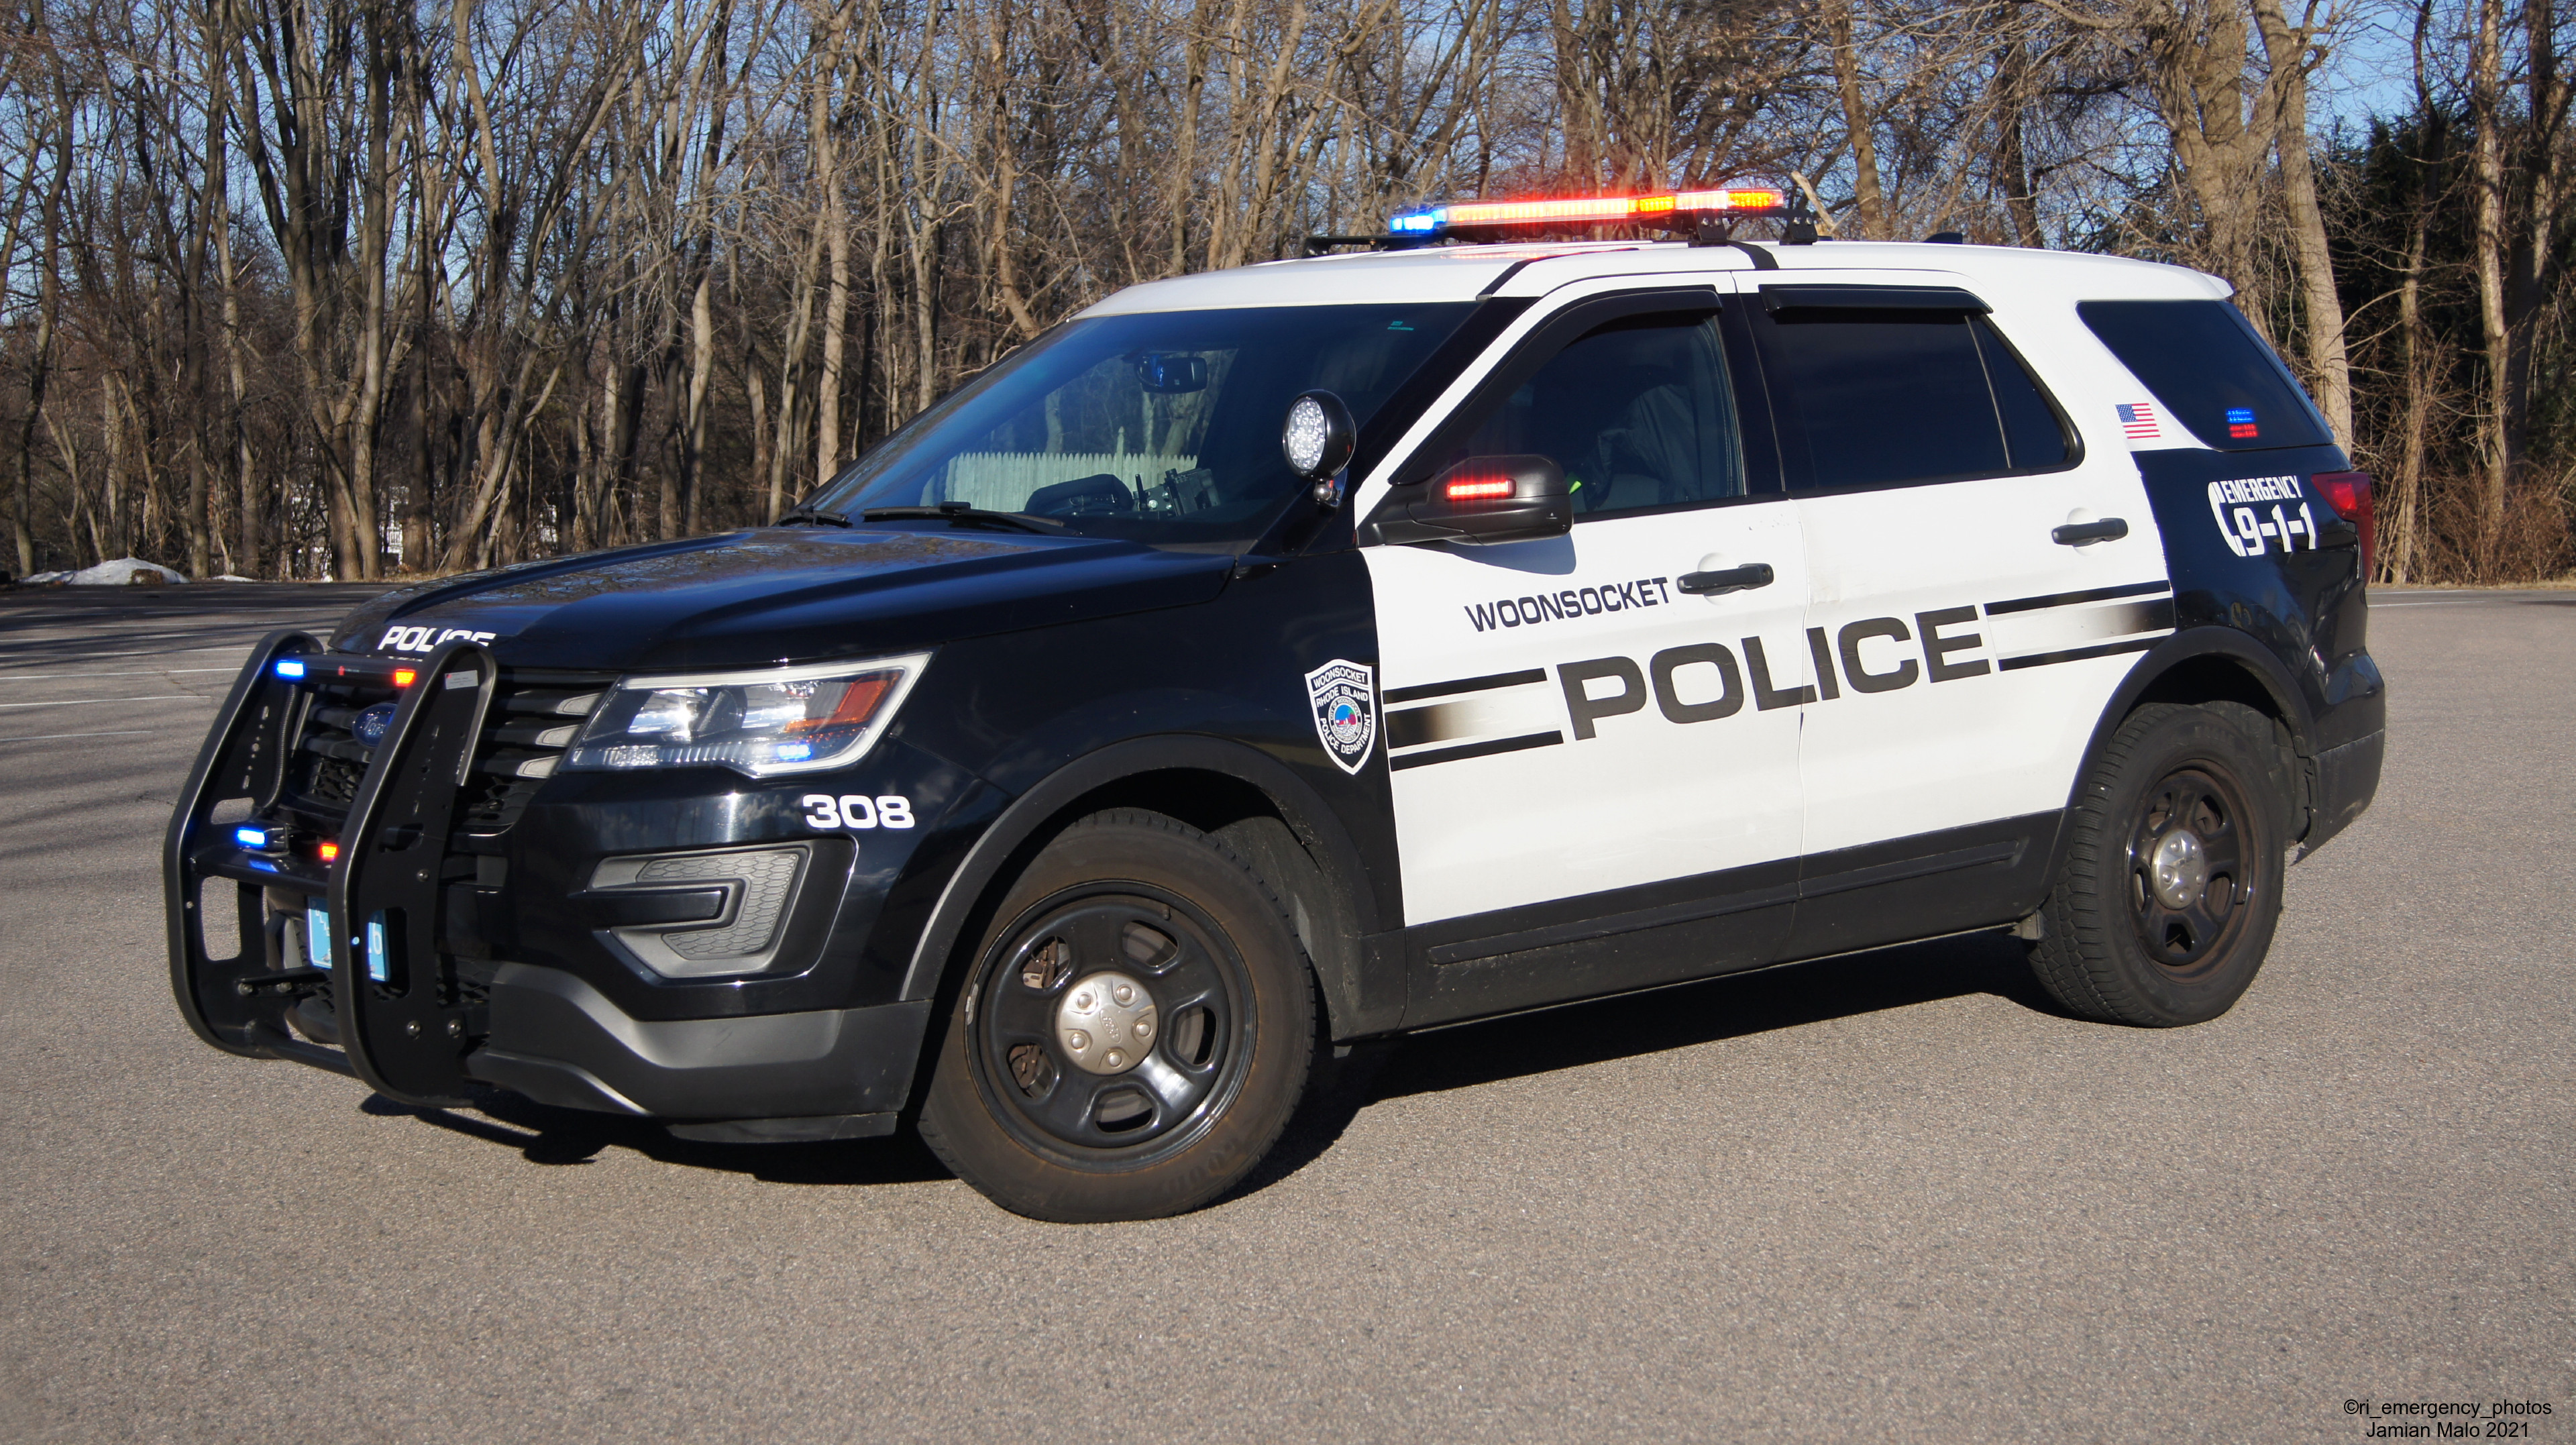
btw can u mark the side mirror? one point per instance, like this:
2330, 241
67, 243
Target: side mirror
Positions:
1481, 500
1318, 441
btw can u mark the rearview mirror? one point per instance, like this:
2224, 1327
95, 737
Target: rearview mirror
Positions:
1481, 500
1168, 373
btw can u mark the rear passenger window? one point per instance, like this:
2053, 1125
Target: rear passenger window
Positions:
1639, 413
1887, 398
2204, 362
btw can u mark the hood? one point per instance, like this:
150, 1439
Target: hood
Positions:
798, 594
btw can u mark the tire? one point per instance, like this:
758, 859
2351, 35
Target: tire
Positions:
1047, 1097
2171, 888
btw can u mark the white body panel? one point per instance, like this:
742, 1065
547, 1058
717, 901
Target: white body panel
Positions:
2007, 741
1644, 798
1485, 826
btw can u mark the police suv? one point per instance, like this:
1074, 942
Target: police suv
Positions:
1278, 658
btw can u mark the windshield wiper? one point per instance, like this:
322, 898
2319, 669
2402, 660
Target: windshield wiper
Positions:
794, 515
965, 516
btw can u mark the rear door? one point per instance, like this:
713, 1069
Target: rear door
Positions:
1971, 608
1579, 748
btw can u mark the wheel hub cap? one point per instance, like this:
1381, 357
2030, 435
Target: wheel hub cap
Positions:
2178, 869
1106, 1023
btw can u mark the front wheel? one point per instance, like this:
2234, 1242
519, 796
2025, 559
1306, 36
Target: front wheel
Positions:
2171, 887
1136, 1031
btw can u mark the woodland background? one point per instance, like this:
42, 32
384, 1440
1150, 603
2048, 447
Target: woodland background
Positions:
307, 288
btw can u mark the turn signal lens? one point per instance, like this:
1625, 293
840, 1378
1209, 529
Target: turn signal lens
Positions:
330, 852
405, 677
1478, 489
2349, 494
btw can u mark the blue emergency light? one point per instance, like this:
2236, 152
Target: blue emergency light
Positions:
290, 667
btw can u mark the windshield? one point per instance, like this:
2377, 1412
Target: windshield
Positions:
1160, 428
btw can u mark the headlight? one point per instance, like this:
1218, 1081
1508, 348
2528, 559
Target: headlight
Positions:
778, 720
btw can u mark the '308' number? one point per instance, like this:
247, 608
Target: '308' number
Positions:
854, 810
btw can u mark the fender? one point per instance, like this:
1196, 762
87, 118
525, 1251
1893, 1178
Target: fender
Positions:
2188, 645
1306, 814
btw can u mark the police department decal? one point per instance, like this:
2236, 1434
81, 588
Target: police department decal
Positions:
1344, 698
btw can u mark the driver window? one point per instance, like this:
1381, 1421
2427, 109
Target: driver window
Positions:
1639, 413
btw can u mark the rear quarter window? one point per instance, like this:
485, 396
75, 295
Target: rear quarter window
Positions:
1870, 397
2204, 361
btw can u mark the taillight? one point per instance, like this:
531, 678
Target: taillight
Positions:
2349, 494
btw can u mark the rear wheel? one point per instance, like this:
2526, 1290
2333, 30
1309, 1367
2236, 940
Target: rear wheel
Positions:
2171, 889
1137, 1029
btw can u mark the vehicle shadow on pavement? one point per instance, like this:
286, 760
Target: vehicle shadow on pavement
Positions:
1627, 1026
1632, 1025
546, 1135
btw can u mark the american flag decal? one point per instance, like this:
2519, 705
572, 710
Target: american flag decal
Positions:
2137, 420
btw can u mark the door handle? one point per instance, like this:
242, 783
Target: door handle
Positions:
1730, 579
2076, 534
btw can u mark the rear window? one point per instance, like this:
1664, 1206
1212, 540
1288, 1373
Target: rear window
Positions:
1886, 398
2204, 362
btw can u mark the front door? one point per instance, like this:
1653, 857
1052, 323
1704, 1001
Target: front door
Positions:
1580, 745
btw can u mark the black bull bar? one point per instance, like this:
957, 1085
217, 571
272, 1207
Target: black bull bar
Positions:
404, 1025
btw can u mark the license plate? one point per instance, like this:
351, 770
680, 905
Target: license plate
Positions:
317, 933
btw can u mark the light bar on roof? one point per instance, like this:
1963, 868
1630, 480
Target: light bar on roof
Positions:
1744, 198
1521, 213
1670, 209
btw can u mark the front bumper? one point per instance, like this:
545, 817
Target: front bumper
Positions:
559, 1041
465, 954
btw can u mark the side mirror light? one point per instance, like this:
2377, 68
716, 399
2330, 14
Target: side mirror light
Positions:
1481, 500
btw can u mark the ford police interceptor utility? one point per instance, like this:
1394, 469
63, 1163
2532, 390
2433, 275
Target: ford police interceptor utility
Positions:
1277, 658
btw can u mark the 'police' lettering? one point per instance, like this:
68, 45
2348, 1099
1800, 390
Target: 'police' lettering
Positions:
1862, 679
1824, 657
1937, 649
1730, 683
1582, 708
1765, 696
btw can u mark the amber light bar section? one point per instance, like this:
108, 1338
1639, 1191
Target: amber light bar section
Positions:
1728, 200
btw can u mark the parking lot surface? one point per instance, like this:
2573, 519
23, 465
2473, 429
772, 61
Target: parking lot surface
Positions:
1890, 1196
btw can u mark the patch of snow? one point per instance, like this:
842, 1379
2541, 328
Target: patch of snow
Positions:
119, 573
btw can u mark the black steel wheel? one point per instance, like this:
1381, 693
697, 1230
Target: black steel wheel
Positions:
2165, 905
1110, 1021
2186, 867
1134, 1033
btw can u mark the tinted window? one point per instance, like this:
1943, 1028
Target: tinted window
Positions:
2034, 435
2204, 362
1161, 427
1638, 412
1869, 398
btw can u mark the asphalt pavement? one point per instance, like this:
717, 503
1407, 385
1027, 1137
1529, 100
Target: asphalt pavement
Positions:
1891, 1196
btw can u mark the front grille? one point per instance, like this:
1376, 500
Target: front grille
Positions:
533, 718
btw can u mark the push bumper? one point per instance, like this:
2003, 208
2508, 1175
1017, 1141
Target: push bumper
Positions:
833, 1073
